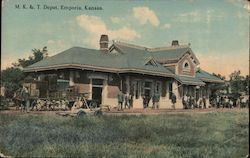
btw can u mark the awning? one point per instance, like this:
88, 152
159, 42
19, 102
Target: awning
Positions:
190, 80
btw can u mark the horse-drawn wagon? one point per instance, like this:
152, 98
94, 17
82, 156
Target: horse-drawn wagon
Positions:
53, 94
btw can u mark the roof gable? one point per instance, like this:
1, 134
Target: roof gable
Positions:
151, 62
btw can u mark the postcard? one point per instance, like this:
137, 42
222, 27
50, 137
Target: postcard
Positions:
124, 78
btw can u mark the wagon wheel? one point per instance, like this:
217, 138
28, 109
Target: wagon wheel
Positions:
98, 113
81, 113
93, 104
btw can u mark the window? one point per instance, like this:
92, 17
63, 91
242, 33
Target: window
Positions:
147, 85
137, 89
158, 89
186, 66
97, 82
147, 88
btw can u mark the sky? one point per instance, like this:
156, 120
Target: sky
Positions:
218, 30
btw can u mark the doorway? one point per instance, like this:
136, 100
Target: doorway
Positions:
97, 95
97, 85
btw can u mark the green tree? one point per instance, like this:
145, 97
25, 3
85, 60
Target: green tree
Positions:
219, 76
12, 78
217, 88
237, 82
246, 84
37, 56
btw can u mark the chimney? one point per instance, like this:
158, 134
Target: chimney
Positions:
175, 43
104, 43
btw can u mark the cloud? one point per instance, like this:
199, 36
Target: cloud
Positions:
166, 26
145, 15
193, 16
94, 26
197, 16
56, 46
116, 20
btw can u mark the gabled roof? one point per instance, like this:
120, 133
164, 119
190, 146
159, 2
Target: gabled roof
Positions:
207, 77
126, 58
83, 58
170, 54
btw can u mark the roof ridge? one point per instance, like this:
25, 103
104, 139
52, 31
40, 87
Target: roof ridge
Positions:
167, 48
150, 49
130, 45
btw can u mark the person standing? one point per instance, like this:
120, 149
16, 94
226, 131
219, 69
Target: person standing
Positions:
120, 100
204, 102
156, 99
130, 101
25, 97
126, 98
153, 101
189, 102
185, 101
144, 98
173, 99
218, 101
226, 101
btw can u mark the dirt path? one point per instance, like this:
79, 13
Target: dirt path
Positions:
13, 111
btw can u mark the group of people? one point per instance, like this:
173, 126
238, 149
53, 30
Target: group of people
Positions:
127, 100
124, 99
189, 102
229, 102
156, 100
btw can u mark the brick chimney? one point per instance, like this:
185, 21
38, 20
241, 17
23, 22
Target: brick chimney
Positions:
175, 43
104, 43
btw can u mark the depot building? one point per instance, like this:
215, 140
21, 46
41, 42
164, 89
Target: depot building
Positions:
135, 70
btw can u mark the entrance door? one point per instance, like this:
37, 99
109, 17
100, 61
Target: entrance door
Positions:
97, 95
97, 85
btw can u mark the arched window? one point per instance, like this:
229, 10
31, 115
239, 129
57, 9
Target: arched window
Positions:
186, 66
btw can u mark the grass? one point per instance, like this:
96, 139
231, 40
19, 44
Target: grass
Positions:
166, 135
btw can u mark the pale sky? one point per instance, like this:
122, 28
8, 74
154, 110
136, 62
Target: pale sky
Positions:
218, 30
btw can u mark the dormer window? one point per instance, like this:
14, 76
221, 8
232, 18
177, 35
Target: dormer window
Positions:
186, 66
151, 62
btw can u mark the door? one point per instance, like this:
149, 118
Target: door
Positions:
97, 85
97, 95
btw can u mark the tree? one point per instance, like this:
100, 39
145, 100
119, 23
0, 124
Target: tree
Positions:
237, 82
217, 88
246, 84
238, 85
12, 78
37, 56
219, 76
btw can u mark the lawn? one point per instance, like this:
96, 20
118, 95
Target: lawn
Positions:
165, 135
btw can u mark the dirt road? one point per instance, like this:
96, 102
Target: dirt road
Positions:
147, 111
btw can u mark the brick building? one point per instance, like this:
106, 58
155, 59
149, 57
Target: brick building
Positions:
134, 69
